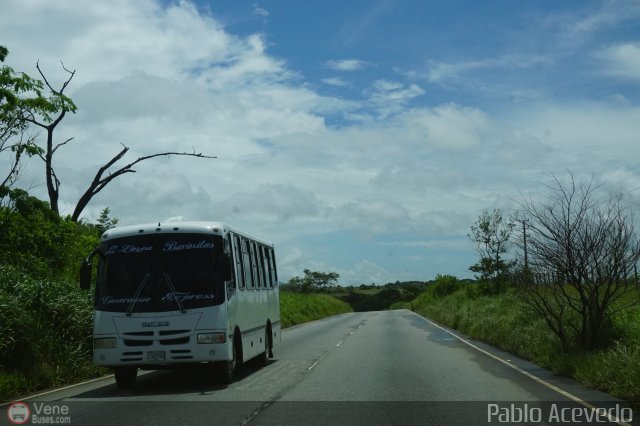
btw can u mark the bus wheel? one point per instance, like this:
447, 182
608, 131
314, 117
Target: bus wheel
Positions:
228, 368
264, 357
125, 376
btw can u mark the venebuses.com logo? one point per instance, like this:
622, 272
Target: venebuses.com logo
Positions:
18, 413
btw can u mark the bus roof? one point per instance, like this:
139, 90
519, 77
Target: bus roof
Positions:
194, 227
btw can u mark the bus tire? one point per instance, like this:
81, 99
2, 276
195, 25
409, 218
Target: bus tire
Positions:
125, 376
264, 357
229, 368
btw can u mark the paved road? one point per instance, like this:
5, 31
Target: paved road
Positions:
390, 367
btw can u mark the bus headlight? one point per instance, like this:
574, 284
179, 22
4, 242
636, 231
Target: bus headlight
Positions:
104, 343
206, 338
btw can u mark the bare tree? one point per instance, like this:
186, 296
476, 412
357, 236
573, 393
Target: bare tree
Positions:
100, 181
58, 103
580, 249
48, 113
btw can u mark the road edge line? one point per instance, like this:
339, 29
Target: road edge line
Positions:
526, 373
28, 397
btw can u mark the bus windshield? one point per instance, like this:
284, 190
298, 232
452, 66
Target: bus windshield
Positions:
159, 273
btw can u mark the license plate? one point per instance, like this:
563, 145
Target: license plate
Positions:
155, 356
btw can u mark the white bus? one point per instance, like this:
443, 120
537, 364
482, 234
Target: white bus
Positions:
182, 293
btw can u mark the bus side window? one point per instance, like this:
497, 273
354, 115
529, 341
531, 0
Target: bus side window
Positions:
257, 270
264, 267
228, 250
239, 265
268, 254
272, 267
247, 264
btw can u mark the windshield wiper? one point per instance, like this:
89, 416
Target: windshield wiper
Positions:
175, 293
138, 291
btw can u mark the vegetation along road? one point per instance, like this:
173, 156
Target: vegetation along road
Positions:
384, 367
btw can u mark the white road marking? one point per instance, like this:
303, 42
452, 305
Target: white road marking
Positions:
526, 373
60, 389
316, 363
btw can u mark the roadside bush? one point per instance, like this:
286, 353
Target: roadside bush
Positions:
444, 285
37, 241
298, 308
45, 333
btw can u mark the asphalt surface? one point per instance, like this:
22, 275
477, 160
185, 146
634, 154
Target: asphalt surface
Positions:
389, 367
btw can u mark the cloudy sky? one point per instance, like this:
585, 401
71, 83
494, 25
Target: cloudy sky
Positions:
360, 137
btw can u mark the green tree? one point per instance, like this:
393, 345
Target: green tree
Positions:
313, 280
491, 234
104, 222
34, 239
444, 285
15, 140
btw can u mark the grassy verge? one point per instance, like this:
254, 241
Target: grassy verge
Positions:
298, 308
45, 334
503, 321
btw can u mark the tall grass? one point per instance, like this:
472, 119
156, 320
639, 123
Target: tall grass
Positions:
296, 308
505, 321
45, 333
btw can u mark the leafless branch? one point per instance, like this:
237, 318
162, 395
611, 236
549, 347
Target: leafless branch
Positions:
100, 181
64, 85
591, 246
55, 148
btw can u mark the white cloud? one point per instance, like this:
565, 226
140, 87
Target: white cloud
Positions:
366, 272
585, 128
336, 81
621, 60
450, 244
346, 64
175, 219
390, 97
449, 126
271, 202
108, 41
259, 11
575, 29
440, 72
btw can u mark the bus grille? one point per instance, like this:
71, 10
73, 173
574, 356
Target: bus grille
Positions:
131, 342
131, 356
181, 354
180, 341
163, 337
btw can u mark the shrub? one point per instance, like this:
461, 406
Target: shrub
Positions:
299, 308
45, 332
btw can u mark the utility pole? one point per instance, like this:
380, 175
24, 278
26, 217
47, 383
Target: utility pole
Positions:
524, 235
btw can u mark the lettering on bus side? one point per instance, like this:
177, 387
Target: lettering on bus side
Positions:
127, 248
176, 246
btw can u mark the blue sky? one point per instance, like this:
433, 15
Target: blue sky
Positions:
360, 137
461, 51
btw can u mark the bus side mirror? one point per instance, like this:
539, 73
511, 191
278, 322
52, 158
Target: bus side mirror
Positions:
226, 270
85, 275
